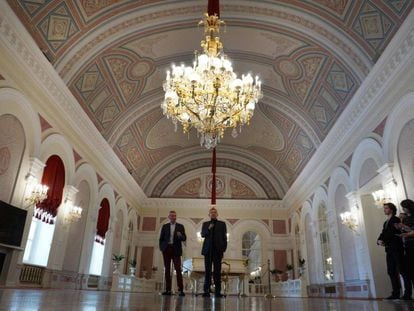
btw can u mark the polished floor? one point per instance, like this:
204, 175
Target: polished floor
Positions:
30, 299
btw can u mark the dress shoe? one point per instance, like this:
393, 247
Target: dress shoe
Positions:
218, 295
406, 297
206, 295
392, 297
181, 294
167, 293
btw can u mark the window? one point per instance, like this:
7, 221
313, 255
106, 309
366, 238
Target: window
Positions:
252, 250
325, 247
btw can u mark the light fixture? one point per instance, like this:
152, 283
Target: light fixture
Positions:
349, 220
380, 197
199, 237
208, 96
36, 191
72, 213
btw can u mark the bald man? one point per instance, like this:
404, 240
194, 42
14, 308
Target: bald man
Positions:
214, 233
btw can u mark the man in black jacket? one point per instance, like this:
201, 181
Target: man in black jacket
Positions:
393, 248
214, 233
171, 237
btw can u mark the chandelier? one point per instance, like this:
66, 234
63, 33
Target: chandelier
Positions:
349, 219
209, 96
36, 191
380, 198
72, 213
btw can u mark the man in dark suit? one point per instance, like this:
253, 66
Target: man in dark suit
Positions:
393, 248
171, 237
214, 233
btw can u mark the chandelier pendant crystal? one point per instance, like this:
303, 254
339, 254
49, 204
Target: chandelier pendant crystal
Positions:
209, 96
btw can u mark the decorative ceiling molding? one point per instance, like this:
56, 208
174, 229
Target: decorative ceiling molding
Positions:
274, 206
227, 174
62, 109
183, 157
370, 104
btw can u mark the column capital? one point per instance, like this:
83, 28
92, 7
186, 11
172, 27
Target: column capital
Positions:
36, 166
353, 199
387, 172
70, 193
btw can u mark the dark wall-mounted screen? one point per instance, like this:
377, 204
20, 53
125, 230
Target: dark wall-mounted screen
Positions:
12, 220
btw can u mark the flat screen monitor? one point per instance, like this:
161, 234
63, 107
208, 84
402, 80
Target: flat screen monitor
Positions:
12, 221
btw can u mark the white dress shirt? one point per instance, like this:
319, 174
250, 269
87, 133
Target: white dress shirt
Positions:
172, 229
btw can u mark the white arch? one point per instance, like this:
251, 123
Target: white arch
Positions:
87, 173
56, 144
245, 225
402, 113
15, 103
367, 149
122, 206
107, 192
133, 218
320, 196
338, 177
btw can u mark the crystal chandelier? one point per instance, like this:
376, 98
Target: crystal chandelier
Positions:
380, 198
36, 191
208, 96
348, 219
72, 213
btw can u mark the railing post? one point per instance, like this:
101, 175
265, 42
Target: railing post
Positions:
269, 285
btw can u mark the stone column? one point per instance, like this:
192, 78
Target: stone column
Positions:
58, 247
334, 244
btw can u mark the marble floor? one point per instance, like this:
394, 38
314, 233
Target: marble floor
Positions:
53, 299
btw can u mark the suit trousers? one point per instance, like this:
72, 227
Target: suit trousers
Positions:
213, 258
409, 270
168, 255
394, 267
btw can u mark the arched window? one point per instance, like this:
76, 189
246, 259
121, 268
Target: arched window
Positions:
325, 247
41, 231
95, 267
252, 250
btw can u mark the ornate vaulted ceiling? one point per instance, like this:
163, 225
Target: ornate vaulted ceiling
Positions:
311, 55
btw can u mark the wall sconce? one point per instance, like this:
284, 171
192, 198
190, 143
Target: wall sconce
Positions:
380, 197
36, 191
349, 220
72, 213
199, 237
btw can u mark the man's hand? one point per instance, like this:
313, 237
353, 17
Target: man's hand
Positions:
179, 234
210, 226
380, 242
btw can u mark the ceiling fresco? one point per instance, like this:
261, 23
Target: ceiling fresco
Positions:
311, 56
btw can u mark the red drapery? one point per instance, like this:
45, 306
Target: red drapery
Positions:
54, 178
103, 221
213, 7
213, 181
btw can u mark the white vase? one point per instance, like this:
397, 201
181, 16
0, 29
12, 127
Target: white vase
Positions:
289, 274
132, 271
116, 266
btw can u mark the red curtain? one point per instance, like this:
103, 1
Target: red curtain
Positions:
213, 181
54, 178
213, 7
103, 221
